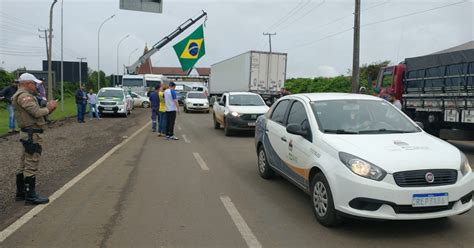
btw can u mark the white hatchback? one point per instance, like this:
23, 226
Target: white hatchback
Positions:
358, 155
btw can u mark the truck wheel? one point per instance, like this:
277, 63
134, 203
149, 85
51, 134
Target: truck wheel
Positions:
322, 202
216, 124
264, 169
226, 128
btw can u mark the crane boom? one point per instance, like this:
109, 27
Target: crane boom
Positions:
132, 69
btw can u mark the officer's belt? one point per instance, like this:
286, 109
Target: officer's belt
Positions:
32, 130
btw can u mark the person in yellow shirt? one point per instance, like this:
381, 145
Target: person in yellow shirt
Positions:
162, 111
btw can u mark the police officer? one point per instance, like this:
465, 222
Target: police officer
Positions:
30, 118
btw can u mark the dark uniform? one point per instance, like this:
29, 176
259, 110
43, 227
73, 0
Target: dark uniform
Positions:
30, 118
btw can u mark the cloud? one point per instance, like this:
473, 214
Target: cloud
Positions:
326, 71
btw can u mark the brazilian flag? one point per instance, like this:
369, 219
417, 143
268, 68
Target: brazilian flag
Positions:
191, 49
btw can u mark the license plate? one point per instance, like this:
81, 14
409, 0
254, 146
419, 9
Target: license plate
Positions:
251, 124
107, 108
429, 200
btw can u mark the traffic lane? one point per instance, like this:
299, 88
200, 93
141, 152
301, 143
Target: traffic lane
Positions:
173, 202
280, 214
84, 215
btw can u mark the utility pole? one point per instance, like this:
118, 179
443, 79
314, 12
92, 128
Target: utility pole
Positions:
80, 70
270, 39
45, 31
356, 51
62, 59
50, 71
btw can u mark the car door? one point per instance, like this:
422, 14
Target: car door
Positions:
221, 109
299, 147
276, 143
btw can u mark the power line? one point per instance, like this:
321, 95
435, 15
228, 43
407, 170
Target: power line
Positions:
373, 23
304, 15
19, 20
289, 13
413, 13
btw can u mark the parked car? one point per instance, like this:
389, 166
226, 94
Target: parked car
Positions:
139, 100
238, 111
114, 101
196, 101
181, 95
358, 155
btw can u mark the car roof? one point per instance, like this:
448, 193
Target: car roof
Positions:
241, 93
334, 96
111, 88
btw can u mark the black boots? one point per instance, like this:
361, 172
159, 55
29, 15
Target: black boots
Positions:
20, 187
31, 198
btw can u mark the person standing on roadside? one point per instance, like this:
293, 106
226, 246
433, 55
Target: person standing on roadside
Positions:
172, 108
162, 111
92, 99
30, 117
81, 102
6, 95
155, 105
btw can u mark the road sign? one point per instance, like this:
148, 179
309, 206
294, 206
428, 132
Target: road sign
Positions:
155, 6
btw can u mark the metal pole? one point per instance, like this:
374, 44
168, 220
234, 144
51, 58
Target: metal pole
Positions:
62, 60
50, 71
270, 39
118, 45
80, 70
98, 51
356, 51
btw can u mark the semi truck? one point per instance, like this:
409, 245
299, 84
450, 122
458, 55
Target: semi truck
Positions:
436, 90
259, 72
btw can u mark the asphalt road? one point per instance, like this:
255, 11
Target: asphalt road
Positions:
204, 191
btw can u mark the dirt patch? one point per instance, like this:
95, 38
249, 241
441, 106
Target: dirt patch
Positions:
69, 148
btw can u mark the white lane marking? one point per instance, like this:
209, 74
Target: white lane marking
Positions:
179, 127
36, 210
239, 221
200, 161
186, 140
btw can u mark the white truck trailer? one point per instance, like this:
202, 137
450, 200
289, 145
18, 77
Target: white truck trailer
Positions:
263, 73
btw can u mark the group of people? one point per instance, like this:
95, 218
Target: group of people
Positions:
164, 109
82, 99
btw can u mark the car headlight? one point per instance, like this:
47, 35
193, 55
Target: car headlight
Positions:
465, 166
361, 167
235, 114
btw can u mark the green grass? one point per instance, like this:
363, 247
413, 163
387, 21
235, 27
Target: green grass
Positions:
69, 110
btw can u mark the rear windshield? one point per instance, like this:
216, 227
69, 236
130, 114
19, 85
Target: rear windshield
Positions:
246, 100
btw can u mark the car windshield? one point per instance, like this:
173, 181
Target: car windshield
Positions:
360, 117
111, 93
197, 95
131, 82
246, 100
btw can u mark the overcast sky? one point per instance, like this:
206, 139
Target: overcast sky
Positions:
316, 34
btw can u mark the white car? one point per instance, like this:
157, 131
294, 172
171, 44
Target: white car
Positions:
358, 155
114, 101
139, 100
238, 111
196, 101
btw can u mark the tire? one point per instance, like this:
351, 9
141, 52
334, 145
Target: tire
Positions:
265, 171
145, 104
227, 130
216, 124
322, 202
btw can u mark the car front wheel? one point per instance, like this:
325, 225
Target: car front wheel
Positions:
322, 202
145, 104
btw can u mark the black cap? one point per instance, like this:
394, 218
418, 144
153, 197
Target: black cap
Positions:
172, 84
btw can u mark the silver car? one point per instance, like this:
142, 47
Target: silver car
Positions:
140, 101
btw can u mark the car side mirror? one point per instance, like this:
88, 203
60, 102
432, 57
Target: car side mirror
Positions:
420, 124
297, 130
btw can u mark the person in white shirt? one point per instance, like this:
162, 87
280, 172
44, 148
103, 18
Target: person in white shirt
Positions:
92, 99
172, 108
